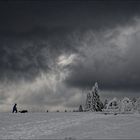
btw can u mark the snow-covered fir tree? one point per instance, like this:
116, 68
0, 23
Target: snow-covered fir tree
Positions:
88, 102
96, 102
93, 102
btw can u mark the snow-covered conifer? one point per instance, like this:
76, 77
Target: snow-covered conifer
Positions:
93, 102
88, 102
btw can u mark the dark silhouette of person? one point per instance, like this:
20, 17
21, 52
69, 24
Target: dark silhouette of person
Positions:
15, 108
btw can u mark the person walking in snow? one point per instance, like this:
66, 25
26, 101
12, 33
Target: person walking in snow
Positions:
14, 108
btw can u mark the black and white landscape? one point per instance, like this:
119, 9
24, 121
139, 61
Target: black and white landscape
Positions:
72, 67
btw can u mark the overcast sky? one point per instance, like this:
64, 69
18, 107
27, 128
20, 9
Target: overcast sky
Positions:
51, 52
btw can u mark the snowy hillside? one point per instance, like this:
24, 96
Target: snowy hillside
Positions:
66, 125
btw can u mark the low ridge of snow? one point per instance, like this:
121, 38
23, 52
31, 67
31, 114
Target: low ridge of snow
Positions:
71, 124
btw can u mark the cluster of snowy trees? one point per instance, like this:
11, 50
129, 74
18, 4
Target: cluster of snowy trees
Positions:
124, 105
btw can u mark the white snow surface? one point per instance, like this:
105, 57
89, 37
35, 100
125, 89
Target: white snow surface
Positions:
72, 125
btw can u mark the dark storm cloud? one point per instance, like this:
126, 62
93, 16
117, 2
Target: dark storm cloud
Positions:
110, 58
26, 24
21, 59
26, 55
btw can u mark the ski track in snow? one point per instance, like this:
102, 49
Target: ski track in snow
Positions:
60, 125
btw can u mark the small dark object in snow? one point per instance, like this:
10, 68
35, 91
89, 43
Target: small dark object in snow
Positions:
15, 108
23, 111
115, 113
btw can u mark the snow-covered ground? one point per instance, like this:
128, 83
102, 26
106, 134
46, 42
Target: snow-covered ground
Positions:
69, 125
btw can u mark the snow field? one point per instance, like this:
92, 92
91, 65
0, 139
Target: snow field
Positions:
84, 125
